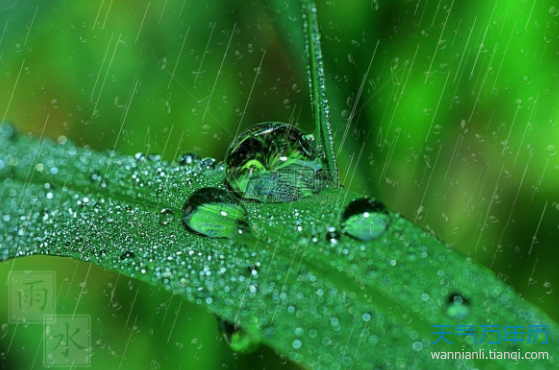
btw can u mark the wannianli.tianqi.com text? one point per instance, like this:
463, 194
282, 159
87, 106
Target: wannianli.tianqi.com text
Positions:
489, 355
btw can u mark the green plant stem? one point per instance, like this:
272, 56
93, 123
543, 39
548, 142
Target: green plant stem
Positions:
319, 102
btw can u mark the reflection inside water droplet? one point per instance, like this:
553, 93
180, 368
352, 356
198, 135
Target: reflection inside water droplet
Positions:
274, 162
365, 219
237, 338
215, 213
458, 307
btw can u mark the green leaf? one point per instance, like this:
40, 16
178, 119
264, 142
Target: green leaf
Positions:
325, 300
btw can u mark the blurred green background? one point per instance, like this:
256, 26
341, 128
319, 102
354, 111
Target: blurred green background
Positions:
446, 110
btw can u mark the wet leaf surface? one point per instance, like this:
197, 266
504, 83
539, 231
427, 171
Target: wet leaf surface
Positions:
297, 283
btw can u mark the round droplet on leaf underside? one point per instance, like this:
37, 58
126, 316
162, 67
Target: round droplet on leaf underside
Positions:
237, 338
365, 219
458, 307
274, 162
215, 213
7, 130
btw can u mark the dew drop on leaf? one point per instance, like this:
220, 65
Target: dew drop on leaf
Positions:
7, 130
215, 213
332, 236
166, 216
207, 163
274, 162
97, 178
365, 219
126, 255
188, 159
237, 338
458, 307
140, 156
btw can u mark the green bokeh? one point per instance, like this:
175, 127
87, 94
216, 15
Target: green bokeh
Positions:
451, 120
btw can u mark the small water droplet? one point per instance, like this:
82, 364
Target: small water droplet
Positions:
552, 149
207, 163
188, 158
237, 338
98, 178
7, 130
127, 255
274, 162
332, 236
166, 216
253, 269
365, 219
140, 156
215, 213
458, 307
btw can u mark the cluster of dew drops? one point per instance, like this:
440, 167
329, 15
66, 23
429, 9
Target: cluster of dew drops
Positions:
272, 162
276, 162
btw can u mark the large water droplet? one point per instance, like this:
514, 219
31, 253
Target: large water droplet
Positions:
237, 338
274, 162
458, 307
365, 219
215, 213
